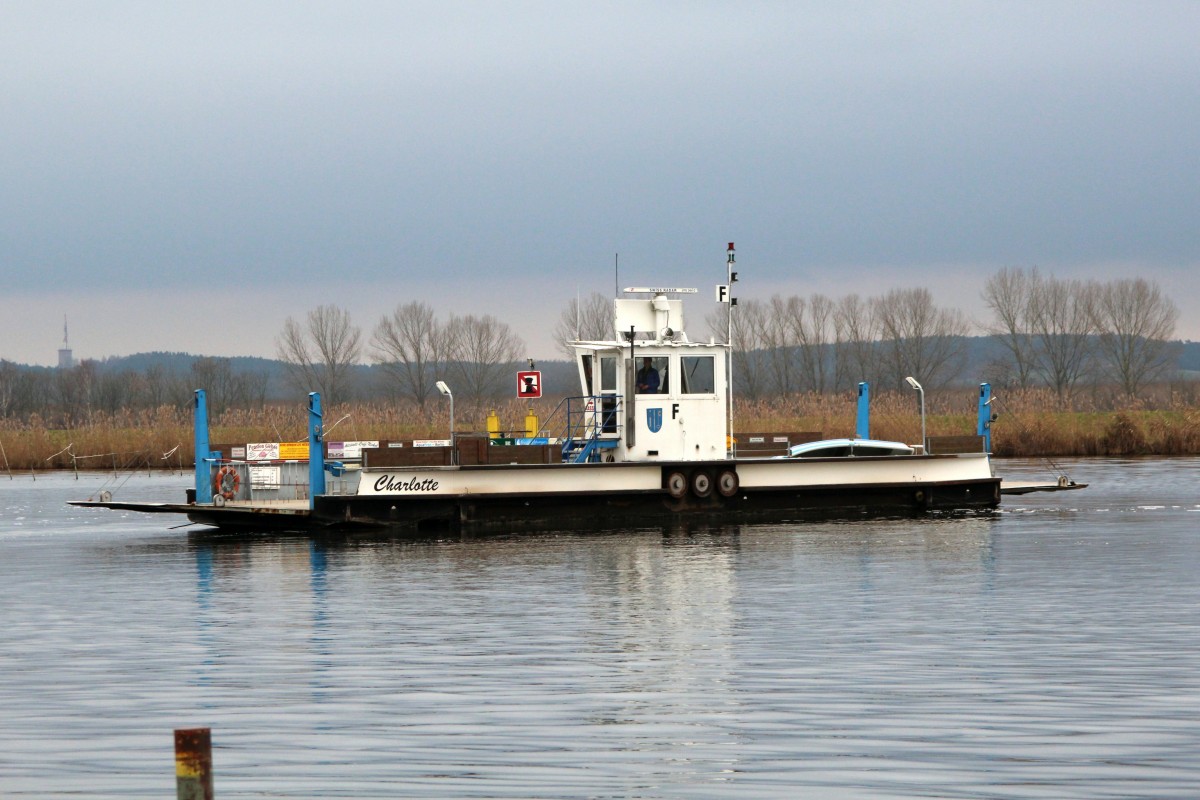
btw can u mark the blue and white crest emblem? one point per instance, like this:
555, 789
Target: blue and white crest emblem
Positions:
654, 419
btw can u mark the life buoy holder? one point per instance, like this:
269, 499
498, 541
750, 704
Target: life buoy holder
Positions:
728, 483
227, 481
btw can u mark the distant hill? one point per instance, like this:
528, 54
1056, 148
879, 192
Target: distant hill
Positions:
1189, 356
559, 377
181, 363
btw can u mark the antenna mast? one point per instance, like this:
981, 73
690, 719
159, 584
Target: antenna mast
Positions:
731, 276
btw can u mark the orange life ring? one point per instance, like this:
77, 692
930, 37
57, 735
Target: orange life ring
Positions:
227, 482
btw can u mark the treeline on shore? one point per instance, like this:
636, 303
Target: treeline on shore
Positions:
1078, 367
1165, 421
1074, 337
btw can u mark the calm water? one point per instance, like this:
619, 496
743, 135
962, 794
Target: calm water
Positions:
1049, 651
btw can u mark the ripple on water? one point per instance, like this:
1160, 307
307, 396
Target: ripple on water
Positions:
1051, 650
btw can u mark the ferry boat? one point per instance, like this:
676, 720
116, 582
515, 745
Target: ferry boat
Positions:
647, 441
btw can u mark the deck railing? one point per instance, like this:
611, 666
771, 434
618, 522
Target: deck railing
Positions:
593, 424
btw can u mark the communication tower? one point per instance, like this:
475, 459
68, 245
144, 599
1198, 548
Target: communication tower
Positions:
65, 359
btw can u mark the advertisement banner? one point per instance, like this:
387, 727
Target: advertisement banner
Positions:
349, 449
293, 451
262, 451
277, 451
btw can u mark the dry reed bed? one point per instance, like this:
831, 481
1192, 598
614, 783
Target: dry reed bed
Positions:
163, 438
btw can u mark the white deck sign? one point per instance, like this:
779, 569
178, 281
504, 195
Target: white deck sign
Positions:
349, 449
264, 477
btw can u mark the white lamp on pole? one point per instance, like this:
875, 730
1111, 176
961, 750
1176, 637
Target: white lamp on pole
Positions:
921, 395
445, 390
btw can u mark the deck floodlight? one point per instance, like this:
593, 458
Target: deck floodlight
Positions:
921, 395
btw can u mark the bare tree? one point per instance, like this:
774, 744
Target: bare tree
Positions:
8, 386
24, 391
320, 354
410, 347
225, 386
921, 340
1009, 294
215, 377
253, 387
749, 324
114, 390
76, 389
778, 346
1135, 322
160, 388
586, 320
481, 352
1061, 321
856, 334
812, 330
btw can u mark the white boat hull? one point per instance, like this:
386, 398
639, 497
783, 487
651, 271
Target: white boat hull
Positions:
508, 497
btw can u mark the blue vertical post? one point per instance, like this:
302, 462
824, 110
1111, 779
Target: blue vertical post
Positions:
984, 428
200, 424
316, 449
862, 429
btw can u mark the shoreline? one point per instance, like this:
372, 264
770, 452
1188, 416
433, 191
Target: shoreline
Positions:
1023, 429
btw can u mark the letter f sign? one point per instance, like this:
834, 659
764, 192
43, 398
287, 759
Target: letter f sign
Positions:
722, 293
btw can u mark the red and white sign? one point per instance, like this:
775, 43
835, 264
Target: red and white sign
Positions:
529, 384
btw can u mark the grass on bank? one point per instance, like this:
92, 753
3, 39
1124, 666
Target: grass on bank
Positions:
163, 438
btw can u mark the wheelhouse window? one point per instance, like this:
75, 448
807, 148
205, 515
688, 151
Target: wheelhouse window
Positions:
586, 362
698, 375
608, 373
608, 389
652, 375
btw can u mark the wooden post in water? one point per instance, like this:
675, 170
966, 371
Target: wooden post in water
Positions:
7, 468
193, 764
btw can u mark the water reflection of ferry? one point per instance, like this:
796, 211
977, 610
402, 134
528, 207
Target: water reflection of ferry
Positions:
648, 440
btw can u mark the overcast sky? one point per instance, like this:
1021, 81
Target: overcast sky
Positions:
185, 176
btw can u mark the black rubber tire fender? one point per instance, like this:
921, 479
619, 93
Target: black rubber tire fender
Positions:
677, 484
728, 483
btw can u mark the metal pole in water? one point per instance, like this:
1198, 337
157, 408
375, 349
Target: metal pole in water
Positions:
984, 425
316, 449
193, 764
7, 468
204, 489
862, 427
